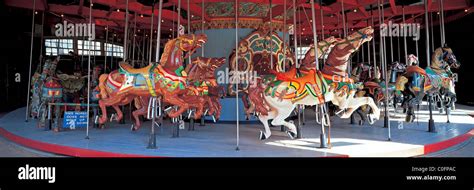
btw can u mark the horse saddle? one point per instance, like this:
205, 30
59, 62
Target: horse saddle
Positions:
129, 69
371, 86
138, 77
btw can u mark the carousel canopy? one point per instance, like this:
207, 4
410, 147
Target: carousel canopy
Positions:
252, 13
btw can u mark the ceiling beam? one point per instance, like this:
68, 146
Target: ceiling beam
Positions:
393, 6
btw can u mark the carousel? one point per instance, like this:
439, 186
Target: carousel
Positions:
242, 78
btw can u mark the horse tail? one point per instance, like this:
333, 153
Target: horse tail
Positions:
137, 103
102, 87
400, 83
255, 95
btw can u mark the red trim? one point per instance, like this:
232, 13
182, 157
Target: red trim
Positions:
435, 147
64, 150
80, 152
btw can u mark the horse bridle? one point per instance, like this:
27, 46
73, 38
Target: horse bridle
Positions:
360, 38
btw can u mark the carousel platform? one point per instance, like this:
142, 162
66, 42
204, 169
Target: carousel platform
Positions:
219, 140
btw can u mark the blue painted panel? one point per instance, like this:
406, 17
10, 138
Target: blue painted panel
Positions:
74, 119
229, 108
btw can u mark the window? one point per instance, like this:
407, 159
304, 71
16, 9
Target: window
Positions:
302, 52
58, 46
83, 47
51, 46
116, 50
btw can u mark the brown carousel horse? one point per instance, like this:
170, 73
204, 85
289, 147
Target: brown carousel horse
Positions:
166, 79
203, 91
201, 75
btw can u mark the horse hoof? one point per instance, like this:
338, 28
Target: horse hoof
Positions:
262, 136
371, 119
409, 118
291, 134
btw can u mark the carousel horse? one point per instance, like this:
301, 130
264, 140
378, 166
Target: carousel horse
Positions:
202, 77
203, 91
166, 79
315, 87
307, 64
372, 86
45, 89
437, 78
73, 86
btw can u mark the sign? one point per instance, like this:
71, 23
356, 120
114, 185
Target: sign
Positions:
73, 119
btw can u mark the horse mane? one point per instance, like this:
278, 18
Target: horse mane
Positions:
168, 48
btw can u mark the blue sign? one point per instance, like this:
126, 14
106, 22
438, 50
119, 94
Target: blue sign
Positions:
74, 119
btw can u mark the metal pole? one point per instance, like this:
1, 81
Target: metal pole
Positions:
237, 69
391, 49
158, 35
42, 39
179, 18
322, 27
344, 20
432, 36
31, 62
384, 63
284, 36
368, 48
189, 28
202, 25
134, 41
404, 36
443, 34
151, 33
105, 47
125, 38
300, 33
295, 42
382, 40
315, 39
89, 70
295, 33
398, 45
271, 35
322, 135
431, 125
373, 44
416, 45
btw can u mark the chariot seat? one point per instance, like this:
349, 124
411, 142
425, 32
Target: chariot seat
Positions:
129, 69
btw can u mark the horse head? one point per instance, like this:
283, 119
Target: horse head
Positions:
203, 68
190, 42
339, 56
412, 60
357, 38
449, 57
